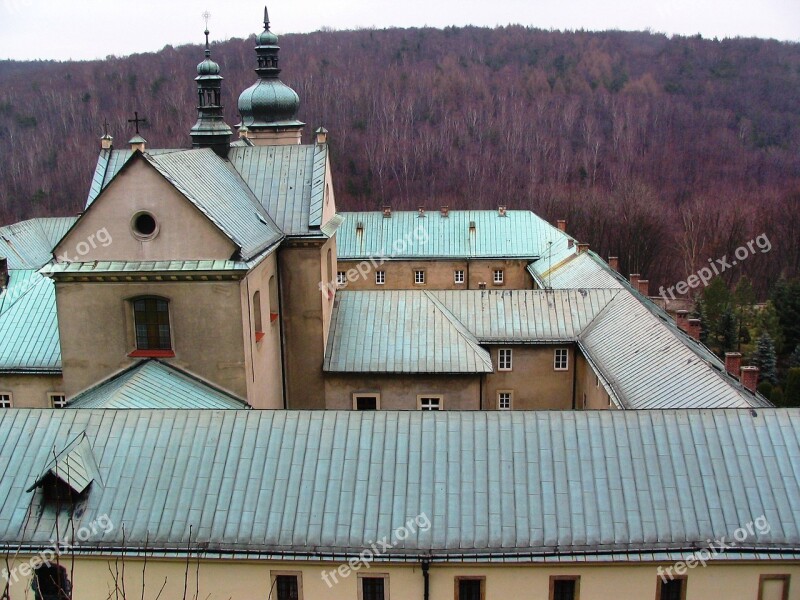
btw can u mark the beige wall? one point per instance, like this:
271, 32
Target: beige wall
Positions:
96, 328
263, 367
184, 232
533, 381
590, 393
399, 392
31, 391
439, 274
307, 308
250, 580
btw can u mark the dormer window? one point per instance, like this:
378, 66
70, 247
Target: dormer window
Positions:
151, 322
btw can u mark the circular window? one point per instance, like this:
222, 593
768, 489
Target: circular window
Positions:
144, 225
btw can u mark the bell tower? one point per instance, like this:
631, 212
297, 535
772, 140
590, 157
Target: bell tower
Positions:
211, 130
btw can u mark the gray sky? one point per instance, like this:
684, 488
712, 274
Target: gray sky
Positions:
87, 29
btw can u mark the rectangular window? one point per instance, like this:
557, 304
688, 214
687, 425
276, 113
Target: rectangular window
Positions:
498, 276
504, 359
419, 277
373, 587
429, 402
503, 400
380, 277
470, 588
151, 316
341, 278
561, 359
672, 589
287, 586
58, 400
366, 401
564, 587
773, 587
458, 276
5, 399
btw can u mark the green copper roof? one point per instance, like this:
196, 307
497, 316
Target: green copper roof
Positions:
152, 384
29, 339
29, 244
114, 267
407, 235
528, 486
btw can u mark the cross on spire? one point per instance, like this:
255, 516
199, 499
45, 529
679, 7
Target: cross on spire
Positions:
136, 120
105, 127
206, 16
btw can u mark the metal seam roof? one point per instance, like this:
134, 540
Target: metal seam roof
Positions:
492, 484
29, 244
144, 266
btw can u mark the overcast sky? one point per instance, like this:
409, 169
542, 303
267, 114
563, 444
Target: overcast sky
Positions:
87, 29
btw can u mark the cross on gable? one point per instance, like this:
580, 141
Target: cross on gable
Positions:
136, 120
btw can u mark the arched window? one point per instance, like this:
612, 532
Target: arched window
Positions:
257, 312
330, 266
273, 300
151, 318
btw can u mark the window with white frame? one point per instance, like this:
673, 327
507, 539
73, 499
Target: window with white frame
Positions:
380, 277
430, 402
504, 400
458, 276
5, 399
58, 400
561, 359
419, 277
341, 278
498, 276
504, 361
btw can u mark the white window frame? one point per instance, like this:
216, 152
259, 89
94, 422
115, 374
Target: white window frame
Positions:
52, 397
419, 276
510, 394
498, 276
558, 355
458, 276
376, 395
384, 576
505, 359
380, 277
341, 278
6, 400
437, 397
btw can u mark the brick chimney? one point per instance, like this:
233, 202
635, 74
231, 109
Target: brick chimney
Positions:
561, 224
137, 142
749, 378
501, 211
682, 319
106, 142
322, 136
387, 212
634, 279
694, 329
733, 363
3, 272
445, 211
583, 247
613, 262
644, 287
421, 211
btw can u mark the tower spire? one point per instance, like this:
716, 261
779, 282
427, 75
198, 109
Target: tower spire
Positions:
210, 130
266, 18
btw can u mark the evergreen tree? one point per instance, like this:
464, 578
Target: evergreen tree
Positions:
766, 360
729, 331
786, 298
792, 393
794, 359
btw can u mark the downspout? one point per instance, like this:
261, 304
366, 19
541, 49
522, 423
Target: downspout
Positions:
280, 324
574, 377
426, 584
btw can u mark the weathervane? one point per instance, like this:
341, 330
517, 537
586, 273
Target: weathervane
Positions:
105, 127
206, 16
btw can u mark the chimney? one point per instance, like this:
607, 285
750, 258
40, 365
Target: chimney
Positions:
421, 211
561, 224
472, 226
583, 247
244, 132
501, 210
570, 243
682, 319
634, 279
137, 142
322, 136
644, 287
445, 211
359, 228
613, 262
733, 363
106, 142
749, 378
3, 272
694, 329
387, 212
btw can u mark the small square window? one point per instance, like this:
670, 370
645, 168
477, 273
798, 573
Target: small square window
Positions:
5, 399
671, 589
503, 400
58, 400
561, 359
380, 277
366, 401
772, 587
419, 277
430, 402
498, 276
341, 278
504, 362
373, 587
564, 587
287, 586
458, 276
470, 588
